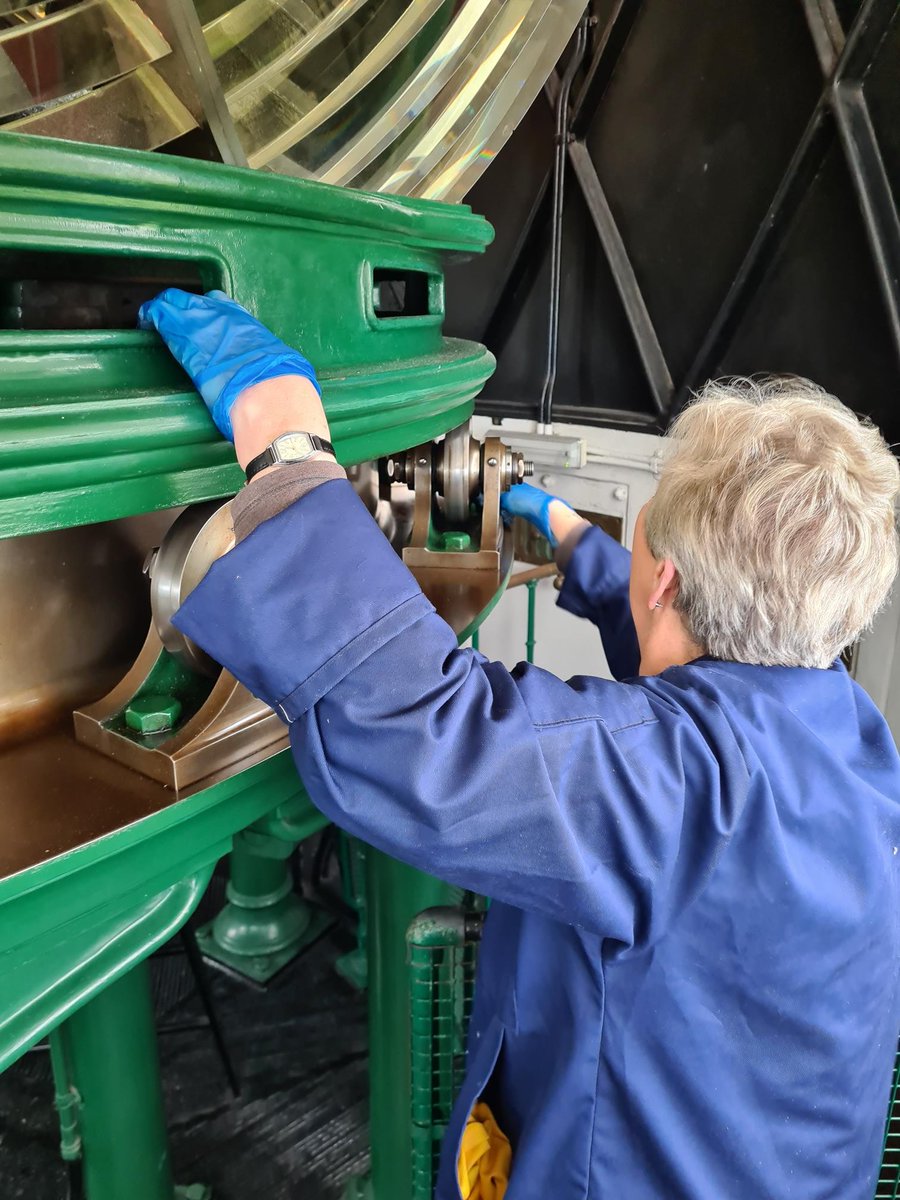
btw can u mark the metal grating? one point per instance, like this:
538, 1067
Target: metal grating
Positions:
889, 1179
442, 945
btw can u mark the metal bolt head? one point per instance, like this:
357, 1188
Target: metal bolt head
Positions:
422, 462
456, 541
492, 462
152, 714
548, 480
620, 493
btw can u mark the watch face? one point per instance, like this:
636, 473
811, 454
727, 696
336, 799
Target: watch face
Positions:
291, 447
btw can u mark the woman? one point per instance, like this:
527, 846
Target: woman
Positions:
689, 978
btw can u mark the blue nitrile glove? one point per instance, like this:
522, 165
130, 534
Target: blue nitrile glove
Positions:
221, 346
524, 500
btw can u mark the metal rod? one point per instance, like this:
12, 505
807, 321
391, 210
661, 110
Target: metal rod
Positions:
559, 176
873, 191
533, 574
862, 152
827, 32
868, 31
648, 347
529, 636
65, 1099
192, 43
476, 641
204, 990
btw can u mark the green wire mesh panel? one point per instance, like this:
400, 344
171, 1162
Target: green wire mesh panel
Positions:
443, 948
889, 1179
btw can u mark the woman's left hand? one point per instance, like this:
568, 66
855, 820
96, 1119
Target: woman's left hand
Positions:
222, 347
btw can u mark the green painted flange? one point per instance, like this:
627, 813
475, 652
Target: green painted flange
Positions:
256, 959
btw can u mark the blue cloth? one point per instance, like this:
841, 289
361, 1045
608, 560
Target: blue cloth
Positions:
221, 346
595, 586
688, 988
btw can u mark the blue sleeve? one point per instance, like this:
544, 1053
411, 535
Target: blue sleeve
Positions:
596, 587
570, 799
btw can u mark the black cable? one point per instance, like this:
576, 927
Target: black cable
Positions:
559, 179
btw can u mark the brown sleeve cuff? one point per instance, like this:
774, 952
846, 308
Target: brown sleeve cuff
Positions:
566, 547
268, 495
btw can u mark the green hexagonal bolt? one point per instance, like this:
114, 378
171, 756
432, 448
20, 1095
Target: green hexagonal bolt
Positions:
456, 541
152, 714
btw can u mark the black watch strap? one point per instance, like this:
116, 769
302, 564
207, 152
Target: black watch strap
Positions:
269, 457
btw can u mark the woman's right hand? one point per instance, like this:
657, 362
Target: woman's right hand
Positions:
548, 514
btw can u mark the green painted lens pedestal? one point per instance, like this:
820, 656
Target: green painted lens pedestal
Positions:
265, 925
108, 1049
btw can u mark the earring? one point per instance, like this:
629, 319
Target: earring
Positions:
658, 604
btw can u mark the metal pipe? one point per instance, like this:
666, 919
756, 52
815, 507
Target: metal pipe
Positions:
111, 1045
532, 574
475, 640
646, 340
559, 177
529, 636
65, 1099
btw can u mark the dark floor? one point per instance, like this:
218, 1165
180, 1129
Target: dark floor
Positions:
298, 1130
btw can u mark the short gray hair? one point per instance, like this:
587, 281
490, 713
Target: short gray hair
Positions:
777, 506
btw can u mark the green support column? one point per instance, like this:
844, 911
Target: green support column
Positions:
265, 924
529, 635
110, 1047
396, 894
354, 965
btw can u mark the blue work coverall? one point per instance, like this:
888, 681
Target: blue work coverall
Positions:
688, 986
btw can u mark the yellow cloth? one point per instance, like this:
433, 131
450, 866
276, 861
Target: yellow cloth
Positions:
485, 1157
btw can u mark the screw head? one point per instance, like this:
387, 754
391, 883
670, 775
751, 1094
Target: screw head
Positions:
492, 462
152, 714
548, 480
620, 493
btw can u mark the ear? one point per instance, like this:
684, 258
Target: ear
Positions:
665, 584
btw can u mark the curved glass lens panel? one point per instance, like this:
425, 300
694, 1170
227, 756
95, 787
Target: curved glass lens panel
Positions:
411, 97
139, 111
486, 135
48, 56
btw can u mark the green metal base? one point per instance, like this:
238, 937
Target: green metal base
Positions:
353, 968
261, 964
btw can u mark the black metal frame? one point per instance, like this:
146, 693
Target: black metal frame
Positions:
845, 57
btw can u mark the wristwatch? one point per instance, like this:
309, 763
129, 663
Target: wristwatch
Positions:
288, 448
